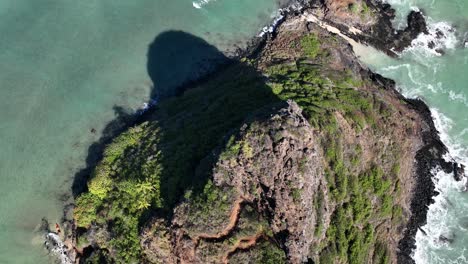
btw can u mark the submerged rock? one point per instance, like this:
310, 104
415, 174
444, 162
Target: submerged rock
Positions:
446, 239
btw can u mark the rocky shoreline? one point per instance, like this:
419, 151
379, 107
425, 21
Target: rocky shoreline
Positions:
431, 156
380, 36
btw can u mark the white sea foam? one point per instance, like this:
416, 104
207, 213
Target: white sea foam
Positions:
56, 247
457, 151
441, 220
278, 17
146, 106
199, 4
458, 97
441, 37
465, 40
444, 239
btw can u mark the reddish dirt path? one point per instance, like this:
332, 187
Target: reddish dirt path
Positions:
233, 219
243, 244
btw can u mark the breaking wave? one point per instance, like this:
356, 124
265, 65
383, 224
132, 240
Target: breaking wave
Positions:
199, 4
57, 248
279, 16
447, 216
442, 36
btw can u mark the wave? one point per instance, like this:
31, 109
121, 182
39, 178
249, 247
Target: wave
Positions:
147, 106
442, 36
57, 248
441, 233
444, 238
278, 17
441, 240
199, 4
458, 97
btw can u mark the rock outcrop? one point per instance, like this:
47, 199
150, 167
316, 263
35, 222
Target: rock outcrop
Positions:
281, 173
370, 22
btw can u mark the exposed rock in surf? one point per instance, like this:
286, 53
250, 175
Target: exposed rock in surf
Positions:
439, 34
439, 51
422, 231
57, 248
376, 26
458, 171
446, 239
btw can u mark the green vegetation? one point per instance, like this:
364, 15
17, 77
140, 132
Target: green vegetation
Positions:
396, 169
153, 164
381, 255
351, 233
157, 163
365, 8
361, 8
126, 241
210, 208
320, 94
349, 242
270, 254
99, 257
362, 199
232, 149
296, 194
311, 45
85, 210
353, 8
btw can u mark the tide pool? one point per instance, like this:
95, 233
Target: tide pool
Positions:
64, 65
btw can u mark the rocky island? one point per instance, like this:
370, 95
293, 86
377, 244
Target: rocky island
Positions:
292, 153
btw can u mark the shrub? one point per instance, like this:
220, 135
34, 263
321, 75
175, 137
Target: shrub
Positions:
86, 209
381, 254
271, 254
310, 45
101, 183
125, 239
247, 150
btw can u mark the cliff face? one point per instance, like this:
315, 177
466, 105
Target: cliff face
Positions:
298, 154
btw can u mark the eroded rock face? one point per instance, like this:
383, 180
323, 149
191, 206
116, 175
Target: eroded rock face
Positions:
157, 236
278, 172
281, 173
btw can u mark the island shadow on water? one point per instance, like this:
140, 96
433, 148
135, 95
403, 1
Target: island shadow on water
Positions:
176, 61
194, 128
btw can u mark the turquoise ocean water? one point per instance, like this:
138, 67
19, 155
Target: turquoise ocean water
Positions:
442, 82
64, 64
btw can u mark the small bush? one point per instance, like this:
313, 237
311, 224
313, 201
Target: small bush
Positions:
86, 209
271, 254
353, 8
310, 45
125, 239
